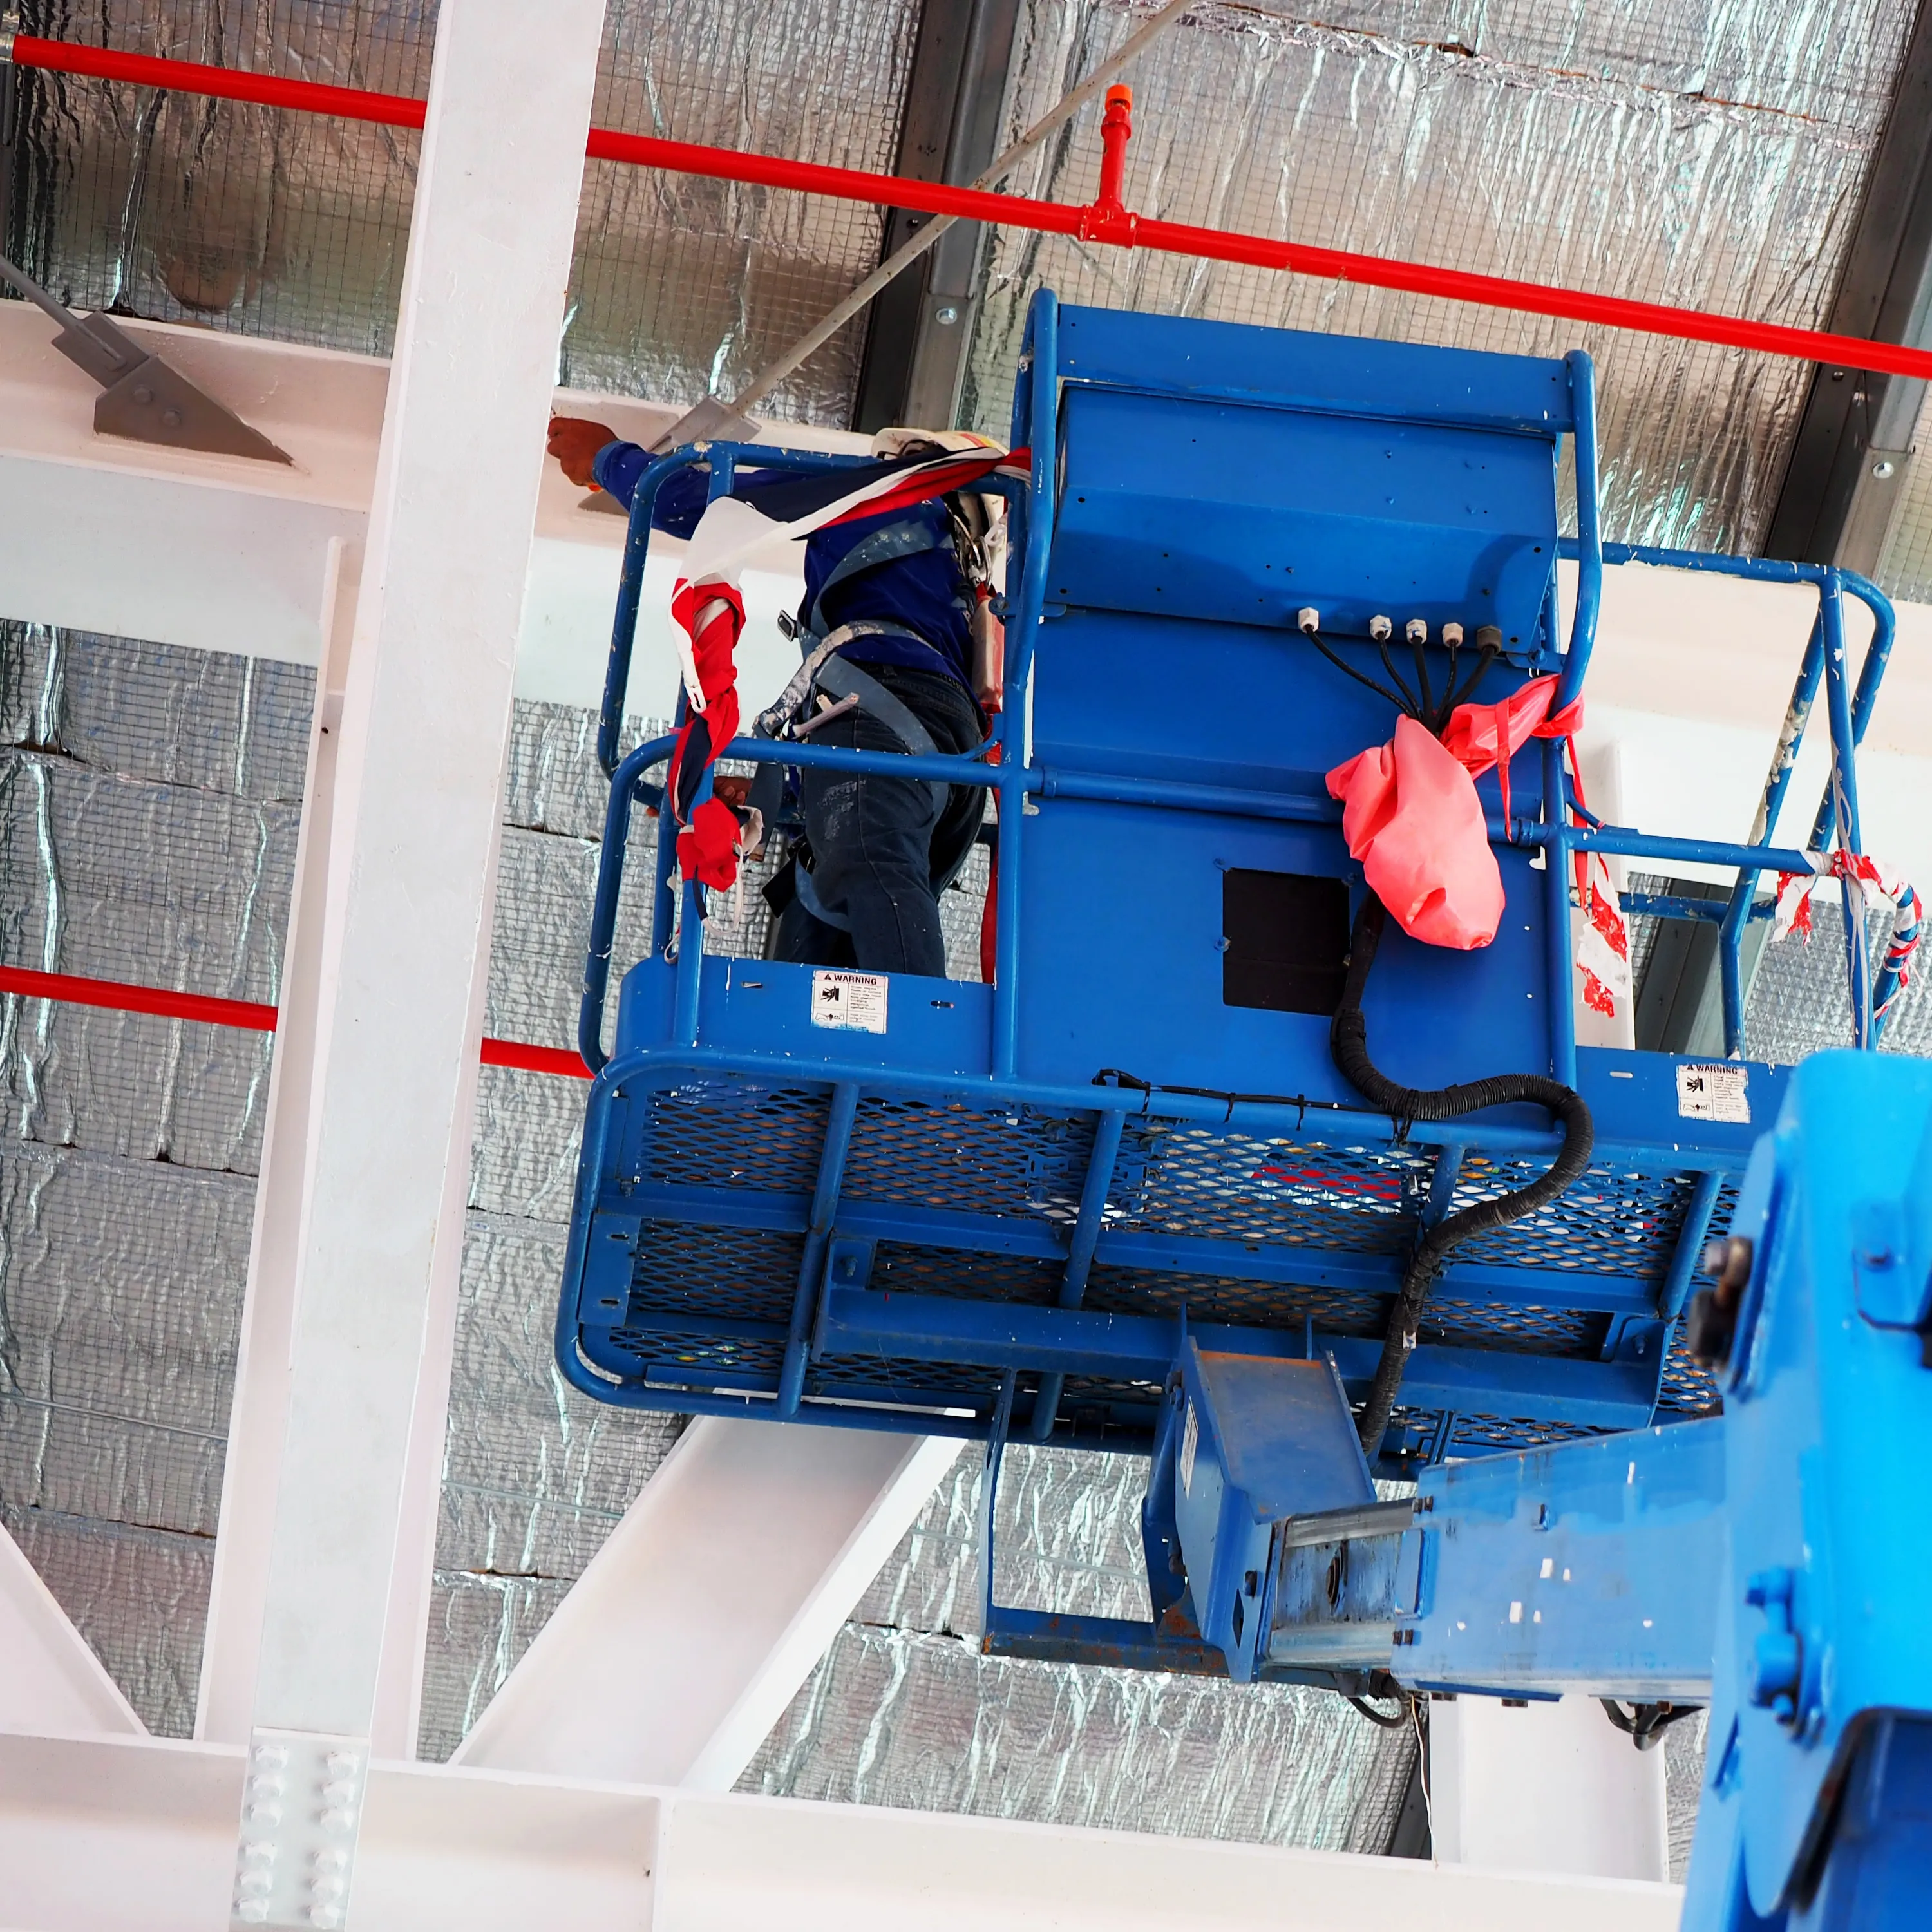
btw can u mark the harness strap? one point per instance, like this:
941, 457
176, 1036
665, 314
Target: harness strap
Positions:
888, 545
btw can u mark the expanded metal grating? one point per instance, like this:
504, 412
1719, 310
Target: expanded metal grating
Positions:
1505, 1325
725, 1132
1232, 1187
962, 1274
978, 1203
1237, 1299
700, 1358
1608, 1222
686, 1268
920, 1154
1490, 1434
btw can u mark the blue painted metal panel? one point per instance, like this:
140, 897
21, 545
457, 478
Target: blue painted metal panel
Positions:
1287, 368
1149, 995
1591, 1567
1821, 1623
1199, 509
1259, 1439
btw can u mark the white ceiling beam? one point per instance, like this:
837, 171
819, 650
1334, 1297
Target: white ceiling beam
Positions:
97, 1837
214, 553
379, 1117
51, 1680
1544, 1787
258, 1416
694, 1626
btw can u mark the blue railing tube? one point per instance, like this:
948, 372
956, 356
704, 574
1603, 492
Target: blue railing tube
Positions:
1849, 717
1845, 805
637, 551
1777, 781
603, 908
691, 923
630, 592
1039, 399
1878, 654
1589, 548
1559, 948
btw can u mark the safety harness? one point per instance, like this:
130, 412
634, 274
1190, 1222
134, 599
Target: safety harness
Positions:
828, 685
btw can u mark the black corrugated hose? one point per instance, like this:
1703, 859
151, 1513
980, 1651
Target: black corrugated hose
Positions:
1348, 1043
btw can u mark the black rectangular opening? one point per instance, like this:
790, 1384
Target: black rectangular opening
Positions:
1286, 938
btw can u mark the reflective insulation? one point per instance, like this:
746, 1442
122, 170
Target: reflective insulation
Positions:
1905, 565
904, 1711
138, 1596
1710, 157
1799, 1001
294, 225
149, 802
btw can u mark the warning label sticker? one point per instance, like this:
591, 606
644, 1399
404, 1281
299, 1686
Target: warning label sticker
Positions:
1717, 1093
1190, 1444
854, 1000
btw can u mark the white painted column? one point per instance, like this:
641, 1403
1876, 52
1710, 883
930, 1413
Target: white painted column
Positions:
385, 1100
259, 1415
1545, 1787
51, 1682
696, 1622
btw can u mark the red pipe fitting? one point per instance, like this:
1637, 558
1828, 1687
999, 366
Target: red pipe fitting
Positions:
1108, 220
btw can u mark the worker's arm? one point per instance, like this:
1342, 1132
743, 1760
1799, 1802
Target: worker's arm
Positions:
594, 457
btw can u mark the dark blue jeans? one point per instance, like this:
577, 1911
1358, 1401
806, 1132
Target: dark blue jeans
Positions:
879, 845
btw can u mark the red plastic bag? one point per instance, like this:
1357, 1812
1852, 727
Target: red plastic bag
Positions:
1483, 735
1411, 815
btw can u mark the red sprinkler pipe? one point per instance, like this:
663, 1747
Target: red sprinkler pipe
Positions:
225, 83
1109, 220
118, 996
1807, 345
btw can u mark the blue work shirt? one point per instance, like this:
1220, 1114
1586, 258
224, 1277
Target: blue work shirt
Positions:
927, 593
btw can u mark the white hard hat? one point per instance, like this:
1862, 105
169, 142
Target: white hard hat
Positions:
890, 442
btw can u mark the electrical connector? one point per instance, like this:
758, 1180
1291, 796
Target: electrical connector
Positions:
1382, 629
1417, 631
1452, 632
1308, 620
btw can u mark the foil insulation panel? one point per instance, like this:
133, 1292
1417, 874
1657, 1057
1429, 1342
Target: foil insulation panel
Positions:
1707, 157
925, 1723
904, 1710
149, 803
138, 1596
1799, 1000
1905, 565
295, 226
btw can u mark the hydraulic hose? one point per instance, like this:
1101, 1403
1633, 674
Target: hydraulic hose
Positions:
1348, 1044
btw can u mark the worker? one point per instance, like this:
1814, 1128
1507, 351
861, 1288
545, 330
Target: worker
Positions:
860, 889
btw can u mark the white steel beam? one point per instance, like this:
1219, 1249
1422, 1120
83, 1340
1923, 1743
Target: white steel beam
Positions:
98, 1837
218, 553
259, 1413
695, 1624
51, 1680
412, 835
1544, 1787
